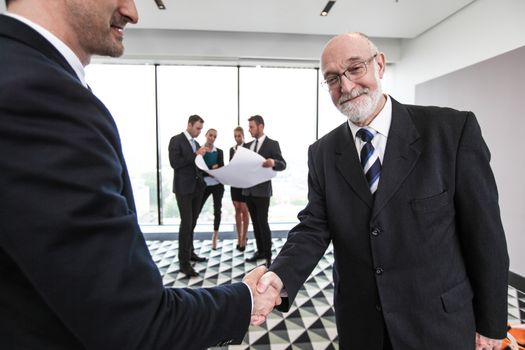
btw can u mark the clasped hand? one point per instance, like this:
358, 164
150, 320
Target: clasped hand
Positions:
266, 288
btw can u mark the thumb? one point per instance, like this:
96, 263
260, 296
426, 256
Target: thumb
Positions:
264, 282
253, 276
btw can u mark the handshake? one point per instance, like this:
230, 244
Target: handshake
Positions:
266, 289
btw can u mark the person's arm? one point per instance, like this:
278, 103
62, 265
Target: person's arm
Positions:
276, 160
481, 232
220, 158
279, 162
178, 153
307, 242
69, 225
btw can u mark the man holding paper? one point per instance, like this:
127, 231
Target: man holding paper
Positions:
258, 196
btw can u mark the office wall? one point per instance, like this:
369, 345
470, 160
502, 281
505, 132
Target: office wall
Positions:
483, 29
493, 90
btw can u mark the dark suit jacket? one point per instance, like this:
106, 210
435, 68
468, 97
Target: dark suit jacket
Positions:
75, 271
428, 254
269, 149
186, 175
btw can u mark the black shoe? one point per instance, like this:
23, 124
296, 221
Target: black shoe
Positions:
255, 257
196, 258
242, 249
188, 271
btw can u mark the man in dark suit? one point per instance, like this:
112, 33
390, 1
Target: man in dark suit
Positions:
258, 196
188, 186
75, 271
420, 253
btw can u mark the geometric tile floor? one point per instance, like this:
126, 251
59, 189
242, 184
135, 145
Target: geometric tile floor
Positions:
310, 323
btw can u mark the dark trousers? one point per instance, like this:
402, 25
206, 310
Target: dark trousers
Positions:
189, 208
258, 207
217, 192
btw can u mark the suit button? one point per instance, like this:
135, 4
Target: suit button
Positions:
376, 232
379, 271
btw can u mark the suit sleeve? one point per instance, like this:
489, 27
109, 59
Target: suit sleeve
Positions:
220, 156
306, 242
178, 153
71, 232
280, 163
481, 232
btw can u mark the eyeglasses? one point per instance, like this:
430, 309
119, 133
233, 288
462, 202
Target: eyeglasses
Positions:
352, 73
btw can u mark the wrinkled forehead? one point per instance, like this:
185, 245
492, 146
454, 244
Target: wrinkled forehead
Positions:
342, 50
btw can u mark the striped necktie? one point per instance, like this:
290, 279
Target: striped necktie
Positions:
255, 147
193, 145
369, 158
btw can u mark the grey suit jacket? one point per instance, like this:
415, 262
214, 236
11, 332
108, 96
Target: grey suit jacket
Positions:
427, 256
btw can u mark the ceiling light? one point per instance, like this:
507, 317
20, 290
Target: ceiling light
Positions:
327, 8
160, 4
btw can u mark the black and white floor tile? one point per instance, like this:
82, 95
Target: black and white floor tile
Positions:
310, 324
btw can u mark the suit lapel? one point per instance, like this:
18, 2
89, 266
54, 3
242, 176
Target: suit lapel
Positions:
19, 31
401, 154
347, 163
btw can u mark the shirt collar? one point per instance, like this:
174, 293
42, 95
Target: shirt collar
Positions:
381, 123
188, 136
68, 54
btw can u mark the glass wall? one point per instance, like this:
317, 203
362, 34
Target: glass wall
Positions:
210, 92
128, 91
286, 99
151, 104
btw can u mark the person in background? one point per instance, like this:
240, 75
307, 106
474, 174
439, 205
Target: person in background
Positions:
242, 216
214, 158
258, 196
188, 186
407, 197
75, 270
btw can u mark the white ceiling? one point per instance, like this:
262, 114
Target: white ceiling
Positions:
376, 18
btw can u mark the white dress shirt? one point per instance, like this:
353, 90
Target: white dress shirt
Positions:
260, 141
381, 124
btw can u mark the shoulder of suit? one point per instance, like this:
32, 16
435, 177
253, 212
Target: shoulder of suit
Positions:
436, 114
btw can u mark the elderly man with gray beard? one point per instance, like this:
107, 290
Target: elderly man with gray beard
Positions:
407, 197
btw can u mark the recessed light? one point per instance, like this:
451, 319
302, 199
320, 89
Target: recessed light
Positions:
160, 4
327, 8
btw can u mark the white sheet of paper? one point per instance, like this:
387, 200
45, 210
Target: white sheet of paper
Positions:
244, 170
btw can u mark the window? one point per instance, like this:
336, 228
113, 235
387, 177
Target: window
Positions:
210, 92
128, 91
286, 99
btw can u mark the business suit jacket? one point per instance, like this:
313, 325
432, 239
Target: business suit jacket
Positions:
75, 271
269, 149
427, 257
186, 176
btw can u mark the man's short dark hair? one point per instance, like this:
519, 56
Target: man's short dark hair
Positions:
194, 119
257, 119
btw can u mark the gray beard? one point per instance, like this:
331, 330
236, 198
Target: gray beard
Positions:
361, 110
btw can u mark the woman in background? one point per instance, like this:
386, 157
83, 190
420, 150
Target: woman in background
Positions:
242, 216
214, 158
